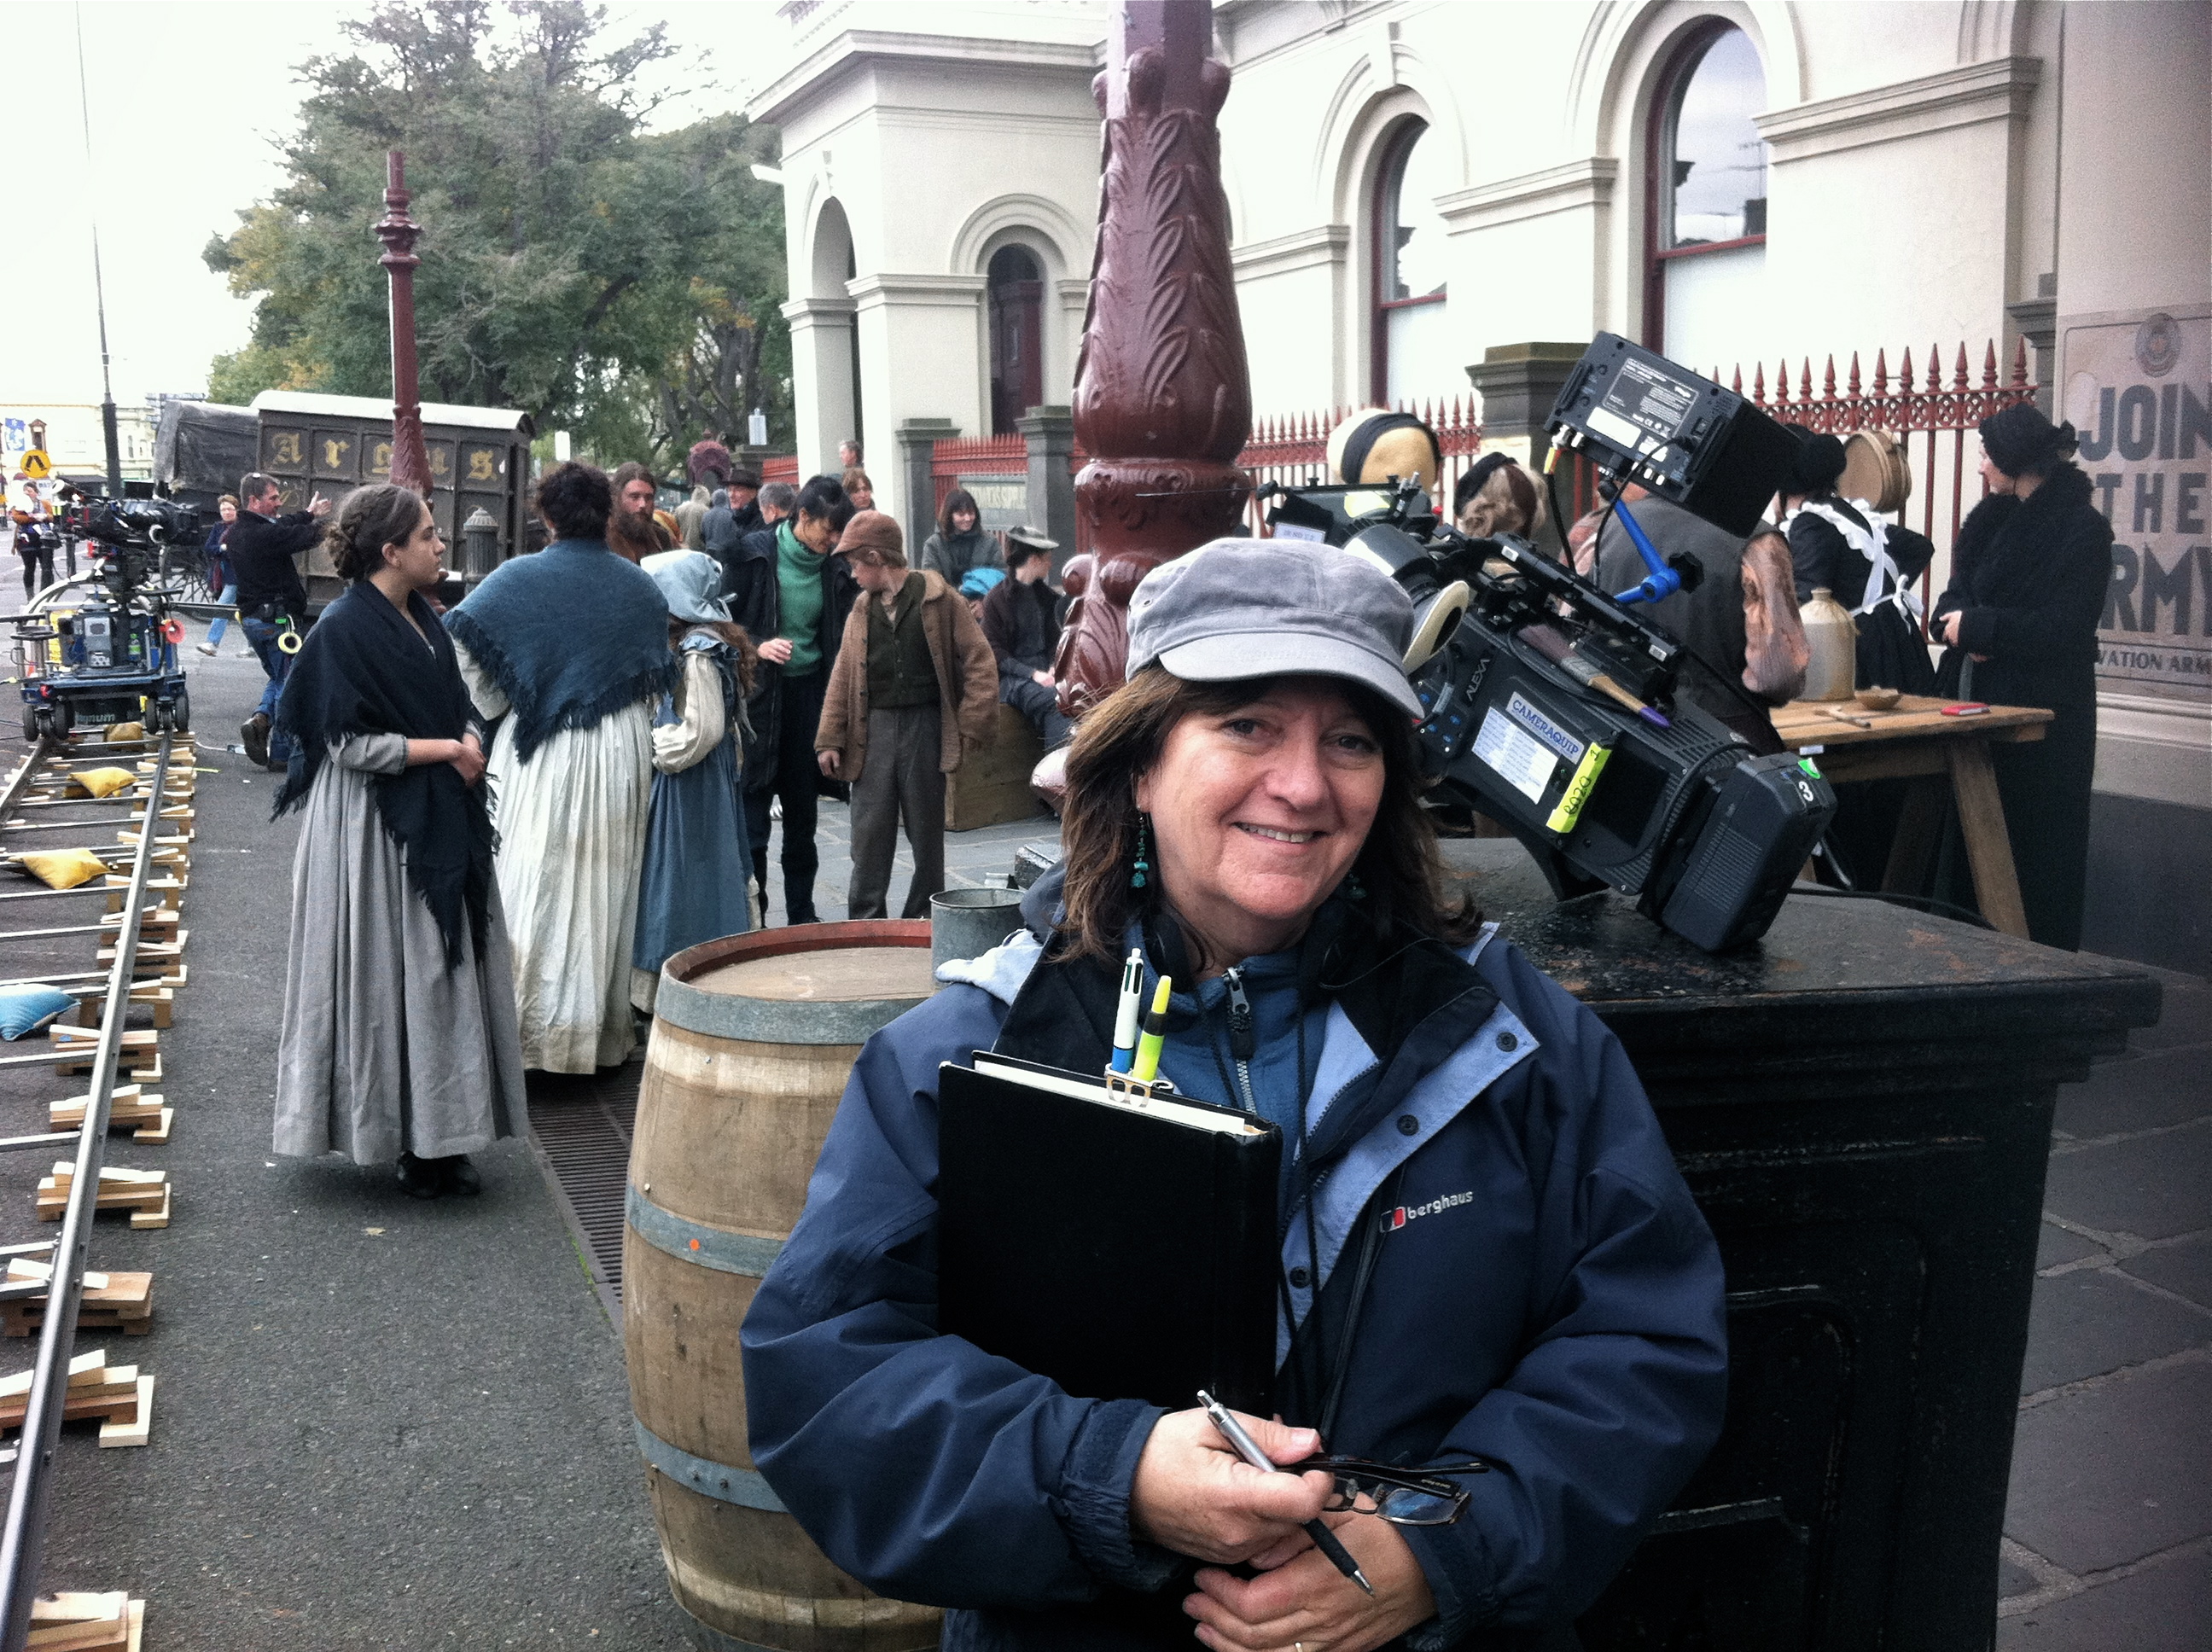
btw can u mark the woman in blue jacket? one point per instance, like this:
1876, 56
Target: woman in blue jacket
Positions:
1487, 1252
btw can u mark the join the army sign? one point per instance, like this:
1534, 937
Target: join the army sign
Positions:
2138, 387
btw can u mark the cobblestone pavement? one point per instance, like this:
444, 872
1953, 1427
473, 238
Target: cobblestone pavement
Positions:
2108, 1533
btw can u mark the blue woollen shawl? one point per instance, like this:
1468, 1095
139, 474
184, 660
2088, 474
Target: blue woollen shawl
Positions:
571, 634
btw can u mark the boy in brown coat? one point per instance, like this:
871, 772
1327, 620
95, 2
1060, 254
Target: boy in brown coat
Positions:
914, 686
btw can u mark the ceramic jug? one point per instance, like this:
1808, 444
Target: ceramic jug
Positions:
1833, 639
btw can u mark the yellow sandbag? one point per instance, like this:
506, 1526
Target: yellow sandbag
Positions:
63, 868
125, 731
100, 782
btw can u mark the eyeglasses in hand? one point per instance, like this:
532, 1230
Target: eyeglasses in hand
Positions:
1405, 1497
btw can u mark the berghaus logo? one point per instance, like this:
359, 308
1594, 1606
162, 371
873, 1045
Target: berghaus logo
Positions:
1404, 1213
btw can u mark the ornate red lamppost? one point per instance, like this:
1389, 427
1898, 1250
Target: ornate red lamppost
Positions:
410, 459
1163, 395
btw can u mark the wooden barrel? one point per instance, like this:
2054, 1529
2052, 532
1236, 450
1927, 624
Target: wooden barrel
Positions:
753, 1038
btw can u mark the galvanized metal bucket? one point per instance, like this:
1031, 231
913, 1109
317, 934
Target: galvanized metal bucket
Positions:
966, 923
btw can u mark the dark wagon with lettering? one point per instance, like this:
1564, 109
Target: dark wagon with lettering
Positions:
331, 445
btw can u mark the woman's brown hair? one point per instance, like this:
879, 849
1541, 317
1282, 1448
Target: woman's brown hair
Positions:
1121, 738
959, 500
371, 518
748, 657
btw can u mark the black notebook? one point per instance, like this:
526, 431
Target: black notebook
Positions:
1125, 1249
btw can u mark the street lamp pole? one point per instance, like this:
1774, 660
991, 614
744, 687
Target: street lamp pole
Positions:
410, 459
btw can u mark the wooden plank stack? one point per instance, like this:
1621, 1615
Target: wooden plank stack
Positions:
120, 1396
144, 1193
140, 1056
111, 1302
132, 1108
74, 1621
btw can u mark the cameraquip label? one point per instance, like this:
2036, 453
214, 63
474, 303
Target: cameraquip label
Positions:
1569, 748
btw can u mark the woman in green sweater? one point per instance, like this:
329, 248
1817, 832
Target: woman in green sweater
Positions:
814, 590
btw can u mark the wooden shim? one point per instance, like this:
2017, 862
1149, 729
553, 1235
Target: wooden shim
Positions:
117, 886
82, 1638
16, 1385
135, 1038
150, 951
138, 1427
80, 1606
117, 1398
131, 1105
159, 919
147, 1200
18, 1322
157, 1132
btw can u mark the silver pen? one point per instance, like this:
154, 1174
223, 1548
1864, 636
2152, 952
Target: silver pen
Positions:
1249, 1448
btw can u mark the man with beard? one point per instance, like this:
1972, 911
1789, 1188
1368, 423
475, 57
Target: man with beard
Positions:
631, 531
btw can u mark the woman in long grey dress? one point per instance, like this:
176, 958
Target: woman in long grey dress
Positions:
400, 1038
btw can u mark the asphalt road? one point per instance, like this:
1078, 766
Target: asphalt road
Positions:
379, 1423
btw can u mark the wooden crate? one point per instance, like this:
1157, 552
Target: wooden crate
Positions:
994, 784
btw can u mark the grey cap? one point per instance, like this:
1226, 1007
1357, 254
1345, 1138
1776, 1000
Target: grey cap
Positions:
1246, 608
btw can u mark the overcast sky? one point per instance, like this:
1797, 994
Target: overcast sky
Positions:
190, 101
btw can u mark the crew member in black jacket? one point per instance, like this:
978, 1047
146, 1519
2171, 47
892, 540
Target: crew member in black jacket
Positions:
264, 549
791, 589
2028, 576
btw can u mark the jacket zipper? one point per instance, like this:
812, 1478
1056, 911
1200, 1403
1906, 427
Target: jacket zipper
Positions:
1243, 1041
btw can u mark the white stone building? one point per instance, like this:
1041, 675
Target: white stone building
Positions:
1413, 184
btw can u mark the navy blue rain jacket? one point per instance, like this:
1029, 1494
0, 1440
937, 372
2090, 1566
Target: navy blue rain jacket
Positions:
1545, 1295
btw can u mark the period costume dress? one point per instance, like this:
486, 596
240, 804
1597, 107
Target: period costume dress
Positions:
698, 861
399, 1022
2028, 578
570, 648
1870, 568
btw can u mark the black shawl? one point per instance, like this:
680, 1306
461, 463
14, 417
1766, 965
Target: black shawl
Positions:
364, 670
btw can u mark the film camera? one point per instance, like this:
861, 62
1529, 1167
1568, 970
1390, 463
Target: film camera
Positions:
112, 657
1552, 704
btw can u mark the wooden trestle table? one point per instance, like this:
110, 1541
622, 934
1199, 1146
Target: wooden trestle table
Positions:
1914, 740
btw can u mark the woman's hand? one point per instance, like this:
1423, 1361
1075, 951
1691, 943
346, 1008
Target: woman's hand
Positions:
776, 651
1195, 1495
468, 759
1951, 628
1306, 1605
829, 761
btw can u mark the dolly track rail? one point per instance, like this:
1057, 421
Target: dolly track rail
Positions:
23, 1538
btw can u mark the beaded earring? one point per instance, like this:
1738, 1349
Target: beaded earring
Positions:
1353, 888
1140, 872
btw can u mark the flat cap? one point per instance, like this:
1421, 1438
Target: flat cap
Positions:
1239, 609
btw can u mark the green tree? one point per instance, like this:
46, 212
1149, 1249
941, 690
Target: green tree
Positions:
621, 283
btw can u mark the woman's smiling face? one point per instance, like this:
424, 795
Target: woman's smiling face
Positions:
1258, 812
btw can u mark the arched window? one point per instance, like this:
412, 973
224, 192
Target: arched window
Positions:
1014, 292
1705, 187
1410, 346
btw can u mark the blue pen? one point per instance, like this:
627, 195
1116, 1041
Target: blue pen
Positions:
1126, 1012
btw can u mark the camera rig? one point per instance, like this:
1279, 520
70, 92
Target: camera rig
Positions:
1552, 705
111, 658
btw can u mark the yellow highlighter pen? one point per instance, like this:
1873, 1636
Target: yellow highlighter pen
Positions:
1156, 1026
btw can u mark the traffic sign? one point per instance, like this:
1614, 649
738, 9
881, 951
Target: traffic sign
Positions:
37, 466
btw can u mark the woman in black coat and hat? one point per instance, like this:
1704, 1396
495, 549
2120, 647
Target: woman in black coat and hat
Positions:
2028, 576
